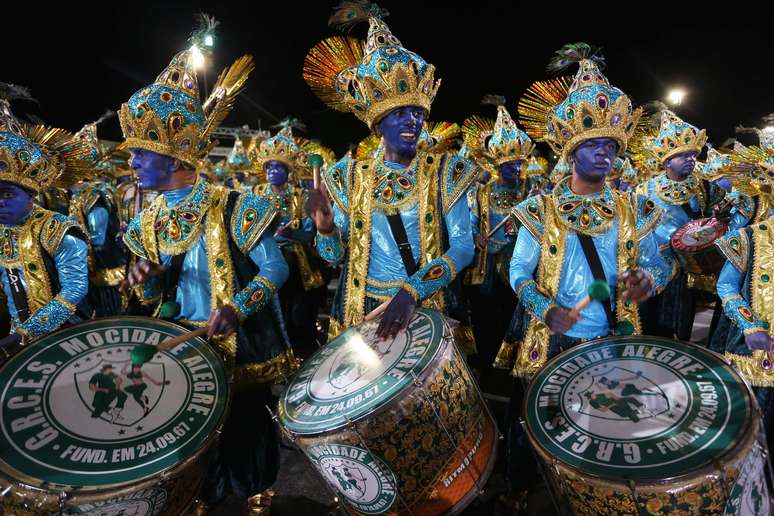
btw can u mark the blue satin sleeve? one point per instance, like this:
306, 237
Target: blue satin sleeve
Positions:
330, 246
70, 259
735, 306
653, 263
98, 222
263, 287
525, 259
439, 272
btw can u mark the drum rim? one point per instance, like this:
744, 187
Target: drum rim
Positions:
447, 339
13, 475
694, 473
679, 231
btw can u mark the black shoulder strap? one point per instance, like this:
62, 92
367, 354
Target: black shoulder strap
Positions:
399, 234
19, 294
592, 257
172, 278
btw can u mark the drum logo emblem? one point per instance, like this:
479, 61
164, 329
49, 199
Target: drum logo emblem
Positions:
359, 356
121, 394
622, 394
364, 481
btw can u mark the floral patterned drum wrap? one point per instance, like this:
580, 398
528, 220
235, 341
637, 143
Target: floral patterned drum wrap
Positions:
645, 425
86, 432
395, 426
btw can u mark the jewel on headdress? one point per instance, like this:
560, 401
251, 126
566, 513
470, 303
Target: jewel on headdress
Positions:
387, 77
508, 142
675, 136
589, 108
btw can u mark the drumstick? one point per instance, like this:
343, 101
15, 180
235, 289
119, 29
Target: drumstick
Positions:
376, 312
498, 226
316, 177
144, 352
599, 290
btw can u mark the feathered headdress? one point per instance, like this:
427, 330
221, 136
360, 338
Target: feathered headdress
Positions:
167, 117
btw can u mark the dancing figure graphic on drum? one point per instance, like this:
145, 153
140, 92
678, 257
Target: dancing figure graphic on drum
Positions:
106, 386
137, 386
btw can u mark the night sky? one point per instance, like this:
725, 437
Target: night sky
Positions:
78, 62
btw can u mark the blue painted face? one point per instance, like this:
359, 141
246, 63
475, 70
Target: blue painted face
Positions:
510, 171
276, 172
401, 128
15, 203
594, 158
153, 170
681, 165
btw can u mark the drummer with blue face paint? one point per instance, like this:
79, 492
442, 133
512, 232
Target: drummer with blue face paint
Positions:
207, 259
43, 254
283, 162
583, 231
399, 225
683, 194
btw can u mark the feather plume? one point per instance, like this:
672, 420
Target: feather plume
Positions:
230, 83
573, 53
352, 12
475, 130
207, 25
493, 100
539, 99
367, 147
444, 135
10, 92
323, 64
292, 122
107, 115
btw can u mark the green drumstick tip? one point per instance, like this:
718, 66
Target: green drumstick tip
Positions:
315, 160
599, 290
142, 353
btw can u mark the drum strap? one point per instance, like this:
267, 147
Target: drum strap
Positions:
18, 294
592, 257
172, 277
688, 211
399, 234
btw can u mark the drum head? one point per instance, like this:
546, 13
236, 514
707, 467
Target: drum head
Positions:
697, 235
76, 413
355, 374
637, 408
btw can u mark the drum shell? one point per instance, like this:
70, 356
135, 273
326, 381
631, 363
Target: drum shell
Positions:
705, 490
699, 259
170, 493
702, 492
406, 436
169, 496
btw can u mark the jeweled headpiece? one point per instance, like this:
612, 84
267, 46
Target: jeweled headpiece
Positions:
591, 108
508, 142
167, 116
32, 157
675, 136
283, 148
386, 77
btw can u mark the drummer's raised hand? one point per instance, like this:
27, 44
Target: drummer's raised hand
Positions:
560, 320
397, 315
318, 207
222, 322
141, 272
637, 286
758, 340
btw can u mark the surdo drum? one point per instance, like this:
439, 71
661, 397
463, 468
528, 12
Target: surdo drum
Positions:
87, 433
645, 425
395, 426
694, 243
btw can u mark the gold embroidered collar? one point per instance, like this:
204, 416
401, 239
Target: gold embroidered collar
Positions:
676, 192
587, 214
394, 187
178, 228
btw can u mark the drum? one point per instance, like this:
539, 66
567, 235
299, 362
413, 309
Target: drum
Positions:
395, 426
694, 243
84, 432
645, 425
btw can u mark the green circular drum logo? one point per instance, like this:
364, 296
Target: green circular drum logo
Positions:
75, 411
637, 408
357, 372
364, 480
